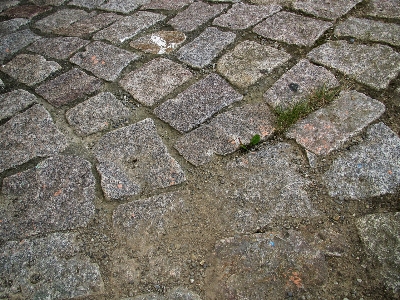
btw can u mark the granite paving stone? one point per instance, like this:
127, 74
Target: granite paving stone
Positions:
91, 4
372, 65
384, 9
250, 61
103, 60
14, 102
14, 42
122, 6
196, 15
68, 87
7, 4
291, 28
307, 76
369, 169
96, 113
134, 158
202, 50
197, 103
178, 293
242, 16
369, 30
10, 26
286, 3
159, 42
328, 128
167, 4
26, 11
326, 9
127, 27
30, 69
155, 80
56, 195
48, 2
51, 267
29, 135
61, 18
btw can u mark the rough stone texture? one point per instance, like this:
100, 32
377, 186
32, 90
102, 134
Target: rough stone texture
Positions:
30, 69
28, 135
26, 11
134, 158
14, 42
384, 8
48, 2
167, 4
292, 29
51, 267
10, 26
250, 61
7, 4
154, 80
203, 49
60, 19
380, 235
59, 47
122, 6
14, 102
328, 128
91, 4
307, 76
197, 103
196, 15
374, 66
242, 16
1, 83
178, 293
56, 195
103, 60
68, 87
225, 133
127, 27
96, 113
369, 169
369, 30
326, 9
159, 42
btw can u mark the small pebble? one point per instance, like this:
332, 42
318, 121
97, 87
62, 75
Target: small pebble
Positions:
191, 280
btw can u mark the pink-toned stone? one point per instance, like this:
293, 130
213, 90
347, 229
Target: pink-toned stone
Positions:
26, 11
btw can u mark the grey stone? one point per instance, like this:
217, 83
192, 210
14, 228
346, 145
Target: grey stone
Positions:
103, 60
127, 27
269, 2
14, 102
159, 42
14, 42
369, 30
326, 9
91, 4
181, 293
197, 103
203, 49
369, 169
374, 66
28, 135
292, 28
30, 69
154, 80
25, 11
51, 267
242, 16
328, 128
250, 61
56, 195
384, 8
7, 4
96, 113
134, 158
48, 2
68, 87
60, 19
307, 76
10, 26
167, 4
122, 6
151, 296
196, 15
1, 83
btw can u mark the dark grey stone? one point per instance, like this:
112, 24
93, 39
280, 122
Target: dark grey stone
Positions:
7, 4
14, 102
14, 42
10, 26
61, 18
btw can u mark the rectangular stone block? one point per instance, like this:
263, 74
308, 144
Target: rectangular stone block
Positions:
14, 102
59, 47
14, 42
326, 9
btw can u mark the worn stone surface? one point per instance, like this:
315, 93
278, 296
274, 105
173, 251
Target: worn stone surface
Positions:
14, 102
122, 6
178, 293
91, 4
30, 69
203, 49
68, 87
26, 11
103, 60
7, 4
292, 28
326, 9
134, 158
51, 267
307, 76
154, 80
28, 135
61, 18
48, 2
127, 27
197, 103
250, 61
96, 113
195, 15
369, 169
167, 4
10, 26
159, 42
384, 8
14, 42
59, 47
328, 128
374, 66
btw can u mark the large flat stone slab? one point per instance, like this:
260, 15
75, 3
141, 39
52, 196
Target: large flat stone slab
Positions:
384, 9
250, 61
14, 102
197, 103
56, 195
10, 26
202, 50
134, 158
14, 42
326, 9
159, 42
28, 135
369, 169
122, 6
167, 4
154, 80
328, 128
374, 66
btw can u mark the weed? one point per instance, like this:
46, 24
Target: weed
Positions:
253, 142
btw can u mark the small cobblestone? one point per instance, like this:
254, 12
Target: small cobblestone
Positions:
7, 4
159, 42
59, 47
384, 9
90, 4
49, 2
326, 9
14, 102
25, 11
60, 19
14, 42
167, 4
10, 26
122, 6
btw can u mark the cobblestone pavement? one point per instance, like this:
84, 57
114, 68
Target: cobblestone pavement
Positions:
144, 152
